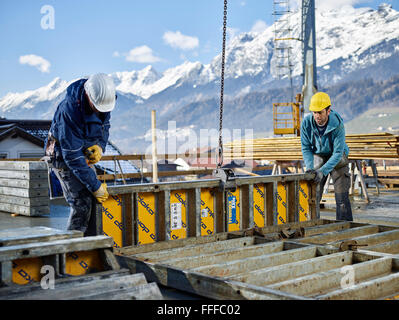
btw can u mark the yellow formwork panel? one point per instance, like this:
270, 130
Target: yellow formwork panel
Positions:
259, 205
281, 203
207, 212
146, 213
83, 262
178, 214
25, 271
233, 210
304, 214
112, 219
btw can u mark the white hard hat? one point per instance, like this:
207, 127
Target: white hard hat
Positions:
100, 89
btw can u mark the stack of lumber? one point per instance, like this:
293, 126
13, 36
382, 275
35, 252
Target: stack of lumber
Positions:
362, 146
24, 247
24, 187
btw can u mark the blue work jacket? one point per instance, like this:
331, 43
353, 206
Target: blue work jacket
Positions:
75, 127
331, 144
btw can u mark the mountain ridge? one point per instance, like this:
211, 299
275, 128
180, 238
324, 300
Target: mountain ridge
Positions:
354, 47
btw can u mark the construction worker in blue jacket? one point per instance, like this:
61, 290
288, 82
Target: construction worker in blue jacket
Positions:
77, 139
325, 151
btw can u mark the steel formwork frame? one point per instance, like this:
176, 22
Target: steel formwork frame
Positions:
147, 213
266, 264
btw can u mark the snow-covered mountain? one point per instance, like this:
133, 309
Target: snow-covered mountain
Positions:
352, 44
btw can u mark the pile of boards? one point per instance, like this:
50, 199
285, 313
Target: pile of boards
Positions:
362, 146
25, 251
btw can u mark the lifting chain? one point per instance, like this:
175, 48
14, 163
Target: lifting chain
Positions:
226, 175
220, 159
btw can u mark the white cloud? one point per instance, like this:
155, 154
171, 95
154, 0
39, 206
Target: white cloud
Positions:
325, 5
259, 26
180, 41
36, 61
116, 54
142, 54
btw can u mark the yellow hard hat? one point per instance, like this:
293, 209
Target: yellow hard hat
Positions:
319, 101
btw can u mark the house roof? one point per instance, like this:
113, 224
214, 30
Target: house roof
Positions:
15, 131
36, 128
36, 132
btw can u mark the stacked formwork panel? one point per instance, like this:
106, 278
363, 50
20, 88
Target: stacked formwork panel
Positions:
50, 264
24, 188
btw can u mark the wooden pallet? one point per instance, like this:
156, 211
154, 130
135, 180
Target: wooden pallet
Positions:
361, 146
83, 267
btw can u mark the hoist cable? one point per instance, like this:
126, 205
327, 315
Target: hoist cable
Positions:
220, 160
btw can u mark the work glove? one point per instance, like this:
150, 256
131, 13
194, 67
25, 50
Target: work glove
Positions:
319, 175
101, 194
94, 154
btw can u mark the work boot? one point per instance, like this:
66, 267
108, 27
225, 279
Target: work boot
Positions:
344, 208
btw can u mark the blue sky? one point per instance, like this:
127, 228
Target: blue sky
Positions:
45, 39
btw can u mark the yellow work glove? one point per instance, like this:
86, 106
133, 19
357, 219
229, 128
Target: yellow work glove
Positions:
94, 154
101, 194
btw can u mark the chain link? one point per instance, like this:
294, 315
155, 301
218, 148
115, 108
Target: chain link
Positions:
220, 160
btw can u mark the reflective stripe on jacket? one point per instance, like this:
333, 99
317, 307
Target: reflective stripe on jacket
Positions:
331, 143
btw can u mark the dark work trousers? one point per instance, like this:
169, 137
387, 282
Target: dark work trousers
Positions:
80, 200
341, 180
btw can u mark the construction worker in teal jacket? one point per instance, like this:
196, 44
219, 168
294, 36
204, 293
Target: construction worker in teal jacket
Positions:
325, 152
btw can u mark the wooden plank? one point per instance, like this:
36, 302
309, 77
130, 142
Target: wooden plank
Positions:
9, 237
29, 250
